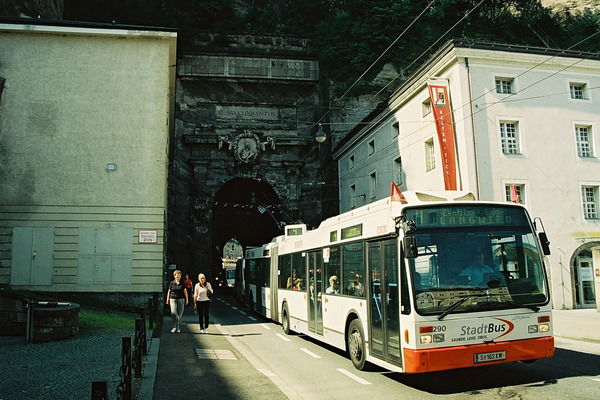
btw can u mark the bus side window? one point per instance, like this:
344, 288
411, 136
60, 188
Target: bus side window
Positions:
285, 271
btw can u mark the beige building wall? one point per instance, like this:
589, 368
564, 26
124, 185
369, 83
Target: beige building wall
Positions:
85, 117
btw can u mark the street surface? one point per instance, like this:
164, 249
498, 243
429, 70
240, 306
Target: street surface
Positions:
305, 369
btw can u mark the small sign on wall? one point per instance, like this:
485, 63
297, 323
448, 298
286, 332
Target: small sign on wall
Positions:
148, 237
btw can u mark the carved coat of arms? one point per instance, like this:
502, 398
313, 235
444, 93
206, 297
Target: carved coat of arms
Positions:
246, 146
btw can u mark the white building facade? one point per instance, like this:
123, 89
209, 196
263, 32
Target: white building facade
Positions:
526, 123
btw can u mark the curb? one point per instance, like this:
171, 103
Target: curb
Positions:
149, 375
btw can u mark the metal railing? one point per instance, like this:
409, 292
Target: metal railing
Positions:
131, 356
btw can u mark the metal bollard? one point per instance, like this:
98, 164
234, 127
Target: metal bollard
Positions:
143, 333
100, 390
151, 312
29, 322
124, 388
138, 347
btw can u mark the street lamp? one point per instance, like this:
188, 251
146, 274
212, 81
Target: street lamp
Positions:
320, 136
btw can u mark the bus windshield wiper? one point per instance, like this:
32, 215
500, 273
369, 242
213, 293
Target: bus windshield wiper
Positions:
457, 303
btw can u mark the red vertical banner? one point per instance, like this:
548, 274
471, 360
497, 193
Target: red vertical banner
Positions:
442, 113
514, 196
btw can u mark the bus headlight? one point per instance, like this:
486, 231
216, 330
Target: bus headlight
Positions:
538, 328
426, 339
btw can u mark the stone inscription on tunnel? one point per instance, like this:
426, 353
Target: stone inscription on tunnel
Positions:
247, 113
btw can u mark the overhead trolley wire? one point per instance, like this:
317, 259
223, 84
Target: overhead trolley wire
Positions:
380, 56
506, 99
429, 48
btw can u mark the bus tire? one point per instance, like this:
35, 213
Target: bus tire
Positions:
355, 341
285, 321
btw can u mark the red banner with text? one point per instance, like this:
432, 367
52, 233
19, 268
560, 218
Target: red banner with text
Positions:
442, 113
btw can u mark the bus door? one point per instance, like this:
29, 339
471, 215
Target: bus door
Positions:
315, 291
274, 277
384, 300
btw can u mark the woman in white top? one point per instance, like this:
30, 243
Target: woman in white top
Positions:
202, 302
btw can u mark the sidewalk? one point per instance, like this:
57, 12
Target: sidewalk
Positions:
207, 366
581, 324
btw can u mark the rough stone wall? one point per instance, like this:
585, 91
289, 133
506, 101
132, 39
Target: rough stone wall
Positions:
237, 93
47, 9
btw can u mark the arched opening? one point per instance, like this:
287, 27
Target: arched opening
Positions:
247, 210
583, 277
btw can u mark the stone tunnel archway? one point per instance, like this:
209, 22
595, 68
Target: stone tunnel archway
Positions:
245, 209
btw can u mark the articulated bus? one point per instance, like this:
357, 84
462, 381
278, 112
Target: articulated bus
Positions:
435, 282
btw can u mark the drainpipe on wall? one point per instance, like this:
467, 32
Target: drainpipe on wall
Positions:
473, 128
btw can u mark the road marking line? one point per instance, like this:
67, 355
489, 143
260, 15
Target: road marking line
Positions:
352, 376
310, 353
252, 318
280, 336
267, 372
265, 326
235, 308
243, 313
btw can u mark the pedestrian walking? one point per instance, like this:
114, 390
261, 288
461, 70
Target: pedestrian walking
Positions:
189, 285
177, 298
202, 292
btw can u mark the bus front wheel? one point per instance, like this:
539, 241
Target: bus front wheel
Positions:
285, 321
355, 341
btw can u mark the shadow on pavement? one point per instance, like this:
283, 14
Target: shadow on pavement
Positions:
564, 364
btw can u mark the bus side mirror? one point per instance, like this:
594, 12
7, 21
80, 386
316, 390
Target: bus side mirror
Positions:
410, 246
545, 243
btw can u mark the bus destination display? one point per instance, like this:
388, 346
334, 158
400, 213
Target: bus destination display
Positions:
468, 215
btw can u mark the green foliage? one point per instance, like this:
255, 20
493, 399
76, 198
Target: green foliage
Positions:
351, 34
95, 320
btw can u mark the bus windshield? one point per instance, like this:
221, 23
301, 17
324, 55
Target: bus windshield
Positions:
475, 258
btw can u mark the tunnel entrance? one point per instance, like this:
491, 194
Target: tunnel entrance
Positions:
247, 210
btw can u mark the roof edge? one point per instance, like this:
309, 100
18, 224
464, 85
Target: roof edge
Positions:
83, 24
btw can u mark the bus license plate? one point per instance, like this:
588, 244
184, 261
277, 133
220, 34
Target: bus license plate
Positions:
489, 357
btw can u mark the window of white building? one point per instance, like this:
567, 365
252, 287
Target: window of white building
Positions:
578, 91
429, 155
351, 162
426, 107
583, 136
373, 184
509, 136
352, 196
371, 147
589, 199
395, 129
398, 171
514, 192
504, 85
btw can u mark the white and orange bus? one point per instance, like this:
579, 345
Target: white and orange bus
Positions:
439, 281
